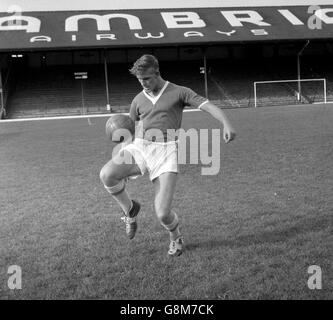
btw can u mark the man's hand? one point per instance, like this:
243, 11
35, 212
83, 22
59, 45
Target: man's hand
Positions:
229, 133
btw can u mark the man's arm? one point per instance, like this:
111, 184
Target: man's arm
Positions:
133, 112
229, 133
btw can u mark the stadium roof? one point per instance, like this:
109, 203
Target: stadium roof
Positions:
76, 24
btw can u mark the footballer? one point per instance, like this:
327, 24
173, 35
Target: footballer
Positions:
158, 106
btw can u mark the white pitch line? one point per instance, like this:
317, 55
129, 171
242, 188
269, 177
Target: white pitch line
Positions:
73, 117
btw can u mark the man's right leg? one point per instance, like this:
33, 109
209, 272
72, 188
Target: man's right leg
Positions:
113, 176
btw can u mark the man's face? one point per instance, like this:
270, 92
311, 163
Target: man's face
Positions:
148, 79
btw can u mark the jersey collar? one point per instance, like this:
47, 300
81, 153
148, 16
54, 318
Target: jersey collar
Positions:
155, 99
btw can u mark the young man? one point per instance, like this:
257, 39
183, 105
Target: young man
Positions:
158, 107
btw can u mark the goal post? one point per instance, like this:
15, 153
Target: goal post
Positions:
2, 105
278, 92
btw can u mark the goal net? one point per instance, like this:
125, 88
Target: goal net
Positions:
284, 92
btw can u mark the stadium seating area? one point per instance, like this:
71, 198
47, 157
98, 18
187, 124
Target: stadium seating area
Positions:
237, 82
50, 91
54, 91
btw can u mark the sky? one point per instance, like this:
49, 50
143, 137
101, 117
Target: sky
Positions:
74, 5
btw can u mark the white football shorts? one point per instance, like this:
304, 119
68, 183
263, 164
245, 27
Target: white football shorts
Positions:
154, 158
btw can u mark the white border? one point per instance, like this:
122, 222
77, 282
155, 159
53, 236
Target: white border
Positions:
77, 5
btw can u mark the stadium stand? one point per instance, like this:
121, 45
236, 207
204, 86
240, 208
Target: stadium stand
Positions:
236, 81
52, 90
41, 82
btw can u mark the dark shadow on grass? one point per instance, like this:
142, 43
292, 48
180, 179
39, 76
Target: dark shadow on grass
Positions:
266, 237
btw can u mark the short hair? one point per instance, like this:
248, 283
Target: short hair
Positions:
144, 63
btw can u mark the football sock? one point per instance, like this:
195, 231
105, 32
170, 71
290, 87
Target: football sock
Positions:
120, 194
175, 234
173, 227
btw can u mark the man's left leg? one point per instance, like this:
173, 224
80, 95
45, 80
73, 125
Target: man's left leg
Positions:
164, 190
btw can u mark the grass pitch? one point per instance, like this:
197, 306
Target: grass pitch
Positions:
251, 231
